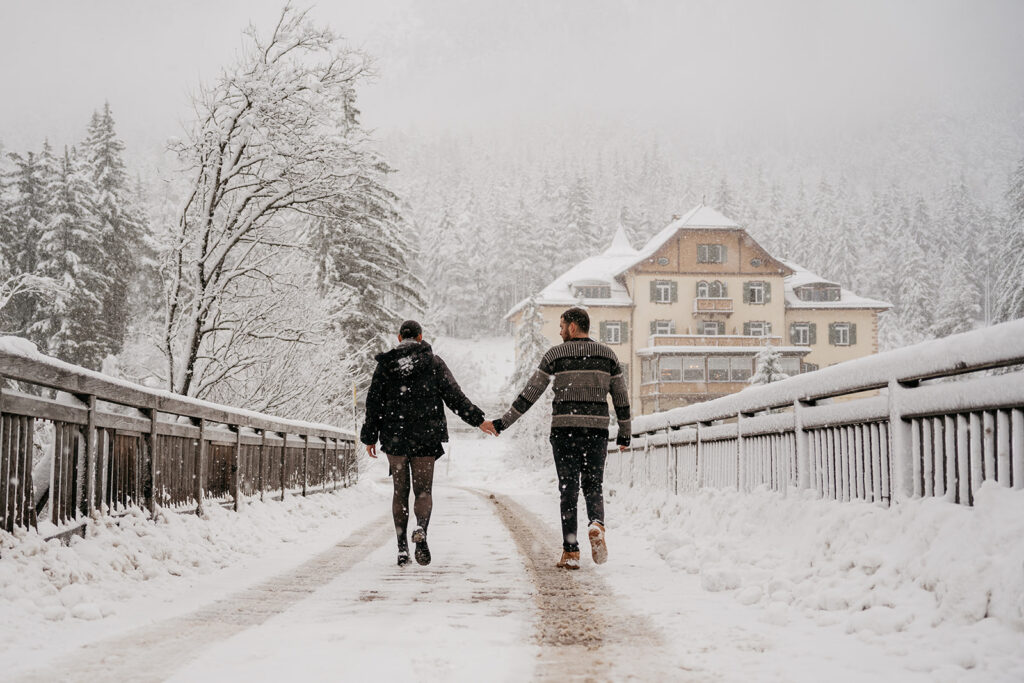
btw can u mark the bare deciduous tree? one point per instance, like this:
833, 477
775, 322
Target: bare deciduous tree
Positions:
275, 139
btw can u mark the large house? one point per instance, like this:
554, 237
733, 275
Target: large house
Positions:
689, 311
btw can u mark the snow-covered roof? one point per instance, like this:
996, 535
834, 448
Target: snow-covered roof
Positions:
596, 270
700, 216
847, 299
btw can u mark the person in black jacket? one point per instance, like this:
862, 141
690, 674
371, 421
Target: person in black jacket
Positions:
405, 412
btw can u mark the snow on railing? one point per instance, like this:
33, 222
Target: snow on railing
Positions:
905, 423
105, 444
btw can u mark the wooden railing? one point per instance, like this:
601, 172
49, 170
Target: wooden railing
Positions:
907, 423
113, 444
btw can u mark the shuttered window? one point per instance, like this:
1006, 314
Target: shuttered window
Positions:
663, 327
757, 292
711, 253
757, 328
614, 332
842, 334
803, 334
664, 291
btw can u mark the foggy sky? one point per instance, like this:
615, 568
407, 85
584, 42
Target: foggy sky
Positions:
755, 68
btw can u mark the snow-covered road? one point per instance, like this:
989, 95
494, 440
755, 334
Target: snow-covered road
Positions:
328, 603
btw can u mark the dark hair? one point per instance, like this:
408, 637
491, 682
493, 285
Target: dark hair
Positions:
578, 316
410, 329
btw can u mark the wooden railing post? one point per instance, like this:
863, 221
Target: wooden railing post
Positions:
305, 463
334, 467
236, 467
201, 461
899, 446
148, 465
88, 487
284, 456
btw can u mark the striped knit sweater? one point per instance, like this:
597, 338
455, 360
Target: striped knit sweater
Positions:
585, 372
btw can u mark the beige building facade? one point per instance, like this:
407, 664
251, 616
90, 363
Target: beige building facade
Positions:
688, 312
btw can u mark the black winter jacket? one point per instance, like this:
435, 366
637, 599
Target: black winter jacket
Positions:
404, 405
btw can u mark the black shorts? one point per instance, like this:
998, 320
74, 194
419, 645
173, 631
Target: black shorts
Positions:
427, 450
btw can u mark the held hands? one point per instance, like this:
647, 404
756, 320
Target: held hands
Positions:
487, 426
371, 450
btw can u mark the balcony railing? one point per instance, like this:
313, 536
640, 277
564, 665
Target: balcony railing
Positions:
711, 340
712, 305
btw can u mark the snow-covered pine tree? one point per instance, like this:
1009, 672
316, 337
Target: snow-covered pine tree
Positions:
69, 253
957, 308
31, 184
531, 345
364, 254
1009, 303
122, 226
769, 366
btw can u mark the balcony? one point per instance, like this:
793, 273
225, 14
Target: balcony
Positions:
725, 340
712, 307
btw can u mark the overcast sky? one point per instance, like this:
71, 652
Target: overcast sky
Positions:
737, 66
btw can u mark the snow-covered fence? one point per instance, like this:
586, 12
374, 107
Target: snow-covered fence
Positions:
907, 423
106, 444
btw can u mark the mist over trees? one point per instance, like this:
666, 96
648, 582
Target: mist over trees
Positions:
512, 214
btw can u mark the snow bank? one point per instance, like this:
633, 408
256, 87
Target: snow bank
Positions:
130, 556
917, 565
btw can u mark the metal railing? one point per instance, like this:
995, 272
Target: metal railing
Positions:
918, 421
112, 444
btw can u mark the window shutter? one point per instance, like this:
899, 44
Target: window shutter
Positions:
724, 252
792, 333
721, 327
654, 290
671, 326
767, 292
654, 325
604, 332
768, 329
725, 289
746, 292
702, 253
832, 334
853, 333
746, 329
813, 336
674, 289
624, 335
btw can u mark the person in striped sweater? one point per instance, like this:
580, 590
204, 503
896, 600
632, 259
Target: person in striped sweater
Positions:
584, 372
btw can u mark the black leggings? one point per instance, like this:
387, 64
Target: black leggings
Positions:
421, 469
579, 459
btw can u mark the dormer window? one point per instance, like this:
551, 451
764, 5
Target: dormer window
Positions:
710, 253
817, 292
594, 292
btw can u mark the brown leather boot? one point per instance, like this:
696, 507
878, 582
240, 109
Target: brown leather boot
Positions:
570, 560
598, 548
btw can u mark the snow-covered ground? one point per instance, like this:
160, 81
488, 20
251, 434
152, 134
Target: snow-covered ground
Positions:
713, 587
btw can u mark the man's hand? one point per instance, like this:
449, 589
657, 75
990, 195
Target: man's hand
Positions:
488, 427
622, 448
371, 450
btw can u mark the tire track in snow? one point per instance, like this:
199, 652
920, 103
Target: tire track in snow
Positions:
155, 652
583, 631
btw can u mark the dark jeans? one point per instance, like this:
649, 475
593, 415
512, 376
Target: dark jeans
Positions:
579, 459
